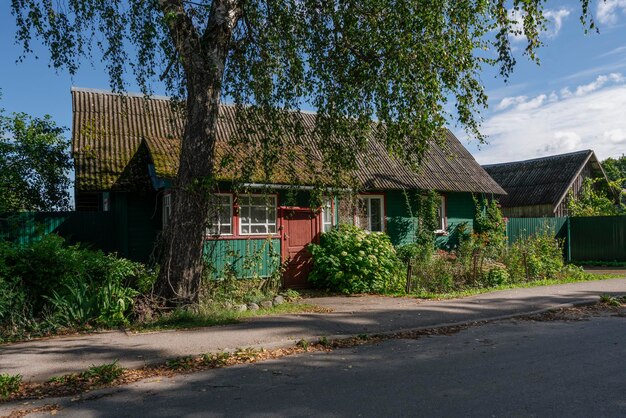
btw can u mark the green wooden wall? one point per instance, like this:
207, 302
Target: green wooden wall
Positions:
245, 257
401, 225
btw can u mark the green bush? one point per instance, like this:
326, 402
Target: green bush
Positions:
495, 276
49, 282
351, 260
437, 275
535, 258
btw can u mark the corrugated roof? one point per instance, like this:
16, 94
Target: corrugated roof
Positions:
540, 181
109, 129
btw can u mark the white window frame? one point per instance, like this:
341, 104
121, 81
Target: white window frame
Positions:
328, 207
443, 216
267, 224
368, 199
167, 208
219, 225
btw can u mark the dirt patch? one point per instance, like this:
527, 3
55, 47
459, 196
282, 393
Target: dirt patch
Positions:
616, 307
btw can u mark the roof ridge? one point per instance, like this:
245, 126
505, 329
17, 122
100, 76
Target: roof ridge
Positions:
547, 157
156, 97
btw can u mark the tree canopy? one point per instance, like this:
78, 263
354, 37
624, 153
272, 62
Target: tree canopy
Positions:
615, 169
34, 164
411, 65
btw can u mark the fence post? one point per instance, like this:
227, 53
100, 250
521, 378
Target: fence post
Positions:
569, 241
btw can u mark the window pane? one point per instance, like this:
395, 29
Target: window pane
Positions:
259, 229
258, 214
225, 229
375, 214
272, 229
245, 215
271, 215
245, 229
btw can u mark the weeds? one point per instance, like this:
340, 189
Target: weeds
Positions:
181, 363
103, 374
613, 300
215, 360
9, 384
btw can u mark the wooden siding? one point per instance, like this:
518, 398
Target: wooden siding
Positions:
246, 257
460, 209
401, 225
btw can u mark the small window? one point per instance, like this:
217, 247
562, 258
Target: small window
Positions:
328, 216
221, 215
441, 216
370, 213
167, 208
257, 215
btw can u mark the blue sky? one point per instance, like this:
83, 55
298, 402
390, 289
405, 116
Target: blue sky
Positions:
576, 98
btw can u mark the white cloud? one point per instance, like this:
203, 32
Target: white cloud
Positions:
615, 136
510, 101
593, 120
554, 23
598, 83
533, 103
521, 102
608, 11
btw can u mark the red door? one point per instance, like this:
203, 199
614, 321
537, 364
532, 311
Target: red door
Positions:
300, 228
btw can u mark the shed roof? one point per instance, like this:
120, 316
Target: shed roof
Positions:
540, 181
108, 130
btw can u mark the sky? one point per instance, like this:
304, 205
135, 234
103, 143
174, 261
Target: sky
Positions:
574, 100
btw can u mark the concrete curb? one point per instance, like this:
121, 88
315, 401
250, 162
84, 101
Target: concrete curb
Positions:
473, 322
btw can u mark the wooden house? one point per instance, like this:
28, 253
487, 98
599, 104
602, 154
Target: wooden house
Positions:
540, 187
126, 152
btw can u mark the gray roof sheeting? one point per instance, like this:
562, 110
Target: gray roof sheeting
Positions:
106, 133
540, 181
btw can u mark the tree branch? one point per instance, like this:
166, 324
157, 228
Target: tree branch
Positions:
182, 30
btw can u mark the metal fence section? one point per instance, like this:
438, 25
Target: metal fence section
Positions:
92, 229
598, 238
520, 228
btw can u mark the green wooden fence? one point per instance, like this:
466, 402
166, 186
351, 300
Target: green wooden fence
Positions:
594, 238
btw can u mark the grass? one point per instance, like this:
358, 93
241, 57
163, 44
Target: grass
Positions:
587, 277
182, 319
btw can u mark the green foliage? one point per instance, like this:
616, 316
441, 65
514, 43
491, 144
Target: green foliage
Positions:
48, 282
490, 226
104, 373
496, 276
615, 169
537, 257
9, 384
351, 260
594, 200
34, 164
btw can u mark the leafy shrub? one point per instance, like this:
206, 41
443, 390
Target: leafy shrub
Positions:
65, 285
437, 275
535, 258
9, 384
351, 260
495, 276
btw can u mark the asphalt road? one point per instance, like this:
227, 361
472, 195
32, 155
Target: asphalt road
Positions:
506, 368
